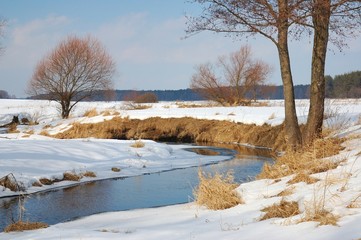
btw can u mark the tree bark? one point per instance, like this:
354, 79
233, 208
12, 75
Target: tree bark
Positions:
293, 132
321, 19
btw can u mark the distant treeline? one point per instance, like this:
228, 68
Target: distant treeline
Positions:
347, 85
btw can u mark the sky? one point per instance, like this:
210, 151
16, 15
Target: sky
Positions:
146, 38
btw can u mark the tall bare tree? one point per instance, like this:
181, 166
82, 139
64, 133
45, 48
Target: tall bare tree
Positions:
73, 71
238, 75
271, 19
335, 21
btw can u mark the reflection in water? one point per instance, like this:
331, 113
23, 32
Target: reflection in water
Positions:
159, 189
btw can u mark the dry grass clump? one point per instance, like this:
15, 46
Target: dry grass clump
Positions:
303, 177
286, 192
89, 174
9, 181
91, 113
355, 203
283, 209
71, 176
217, 192
24, 226
320, 215
306, 161
115, 169
138, 144
13, 128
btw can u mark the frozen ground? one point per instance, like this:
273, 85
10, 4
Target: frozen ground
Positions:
34, 156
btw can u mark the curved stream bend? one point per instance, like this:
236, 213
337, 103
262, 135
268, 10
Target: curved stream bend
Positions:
145, 191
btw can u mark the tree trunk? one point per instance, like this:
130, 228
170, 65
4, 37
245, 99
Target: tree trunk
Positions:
65, 109
293, 132
321, 18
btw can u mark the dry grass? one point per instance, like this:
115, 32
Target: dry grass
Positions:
115, 169
217, 192
283, 209
286, 192
138, 144
89, 174
91, 113
71, 176
303, 177
9, 181
355, 203
320, 215
306, 161
29, 132
24, 226
180, 129
13, 128
195, 105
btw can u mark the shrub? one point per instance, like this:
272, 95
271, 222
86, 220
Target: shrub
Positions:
216, 192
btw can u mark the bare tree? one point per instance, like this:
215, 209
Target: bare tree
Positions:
271, 19
73, 71
239, 73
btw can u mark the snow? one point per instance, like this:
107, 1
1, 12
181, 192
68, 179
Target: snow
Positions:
35, 156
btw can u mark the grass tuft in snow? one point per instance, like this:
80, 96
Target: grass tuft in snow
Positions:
303, 177
283, 209
89, 174
91, 113
115, 169
71, 176
217, 192
138, 144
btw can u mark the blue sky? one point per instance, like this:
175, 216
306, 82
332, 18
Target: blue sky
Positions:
145, 38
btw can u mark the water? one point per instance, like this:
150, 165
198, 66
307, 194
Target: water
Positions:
152, 190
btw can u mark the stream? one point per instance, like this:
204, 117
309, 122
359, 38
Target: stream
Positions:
145, 191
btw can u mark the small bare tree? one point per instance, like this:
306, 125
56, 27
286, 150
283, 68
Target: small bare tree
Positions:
240, 76
73, 71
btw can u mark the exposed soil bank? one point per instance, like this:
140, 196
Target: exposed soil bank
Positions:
181, 130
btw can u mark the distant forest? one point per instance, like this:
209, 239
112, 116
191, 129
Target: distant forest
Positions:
347, 85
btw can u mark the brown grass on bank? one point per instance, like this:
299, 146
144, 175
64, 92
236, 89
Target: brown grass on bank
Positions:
180, 129
217, 192
91, 113
283, 209
24, 226
306, 161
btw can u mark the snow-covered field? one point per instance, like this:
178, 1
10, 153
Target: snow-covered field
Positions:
30, 156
